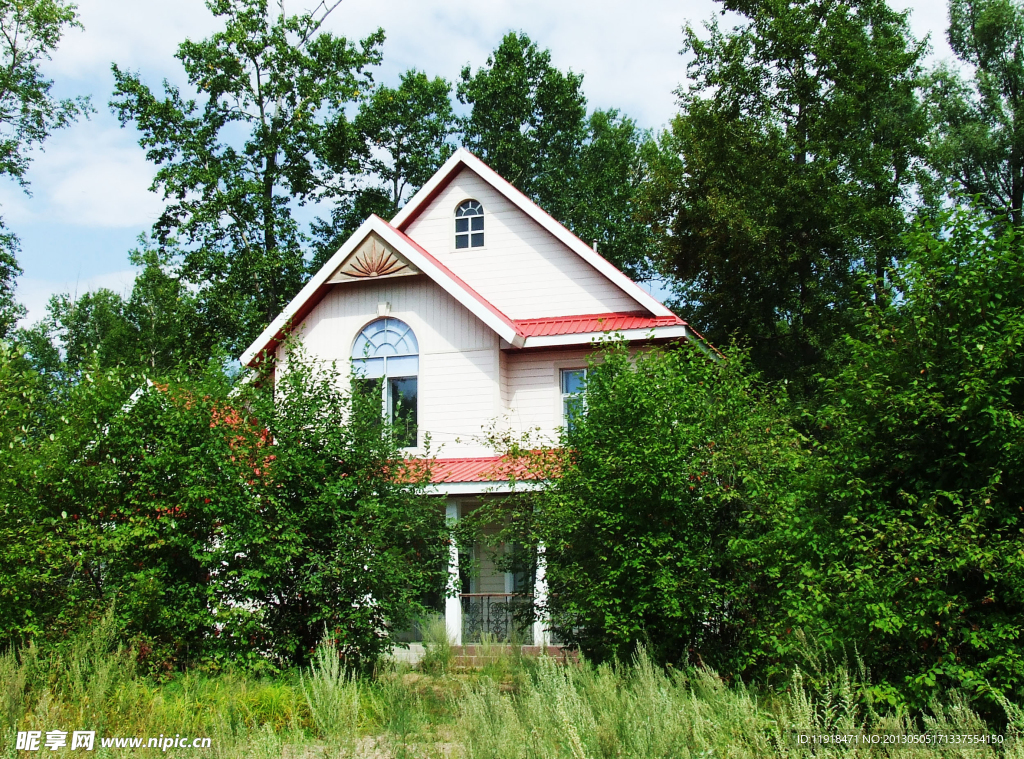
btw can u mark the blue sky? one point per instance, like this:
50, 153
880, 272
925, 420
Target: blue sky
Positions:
90, 200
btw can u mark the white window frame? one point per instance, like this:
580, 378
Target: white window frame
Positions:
562, 395
387, 401
455, 234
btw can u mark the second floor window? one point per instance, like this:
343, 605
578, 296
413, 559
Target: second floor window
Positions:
574, 382
469, 225
385, 357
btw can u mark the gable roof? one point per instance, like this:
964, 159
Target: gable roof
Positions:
462, 158
317, 287
655, 320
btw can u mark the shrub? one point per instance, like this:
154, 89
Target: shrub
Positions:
679, 457
223, 524
923, 566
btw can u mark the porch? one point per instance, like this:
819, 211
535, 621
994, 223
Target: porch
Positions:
484, 603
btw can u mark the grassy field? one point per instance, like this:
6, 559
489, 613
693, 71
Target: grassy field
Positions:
511, 708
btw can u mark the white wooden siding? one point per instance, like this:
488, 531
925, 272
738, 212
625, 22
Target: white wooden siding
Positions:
466, 384
535, 393
457, 401
486, 578
522, 269
459, 357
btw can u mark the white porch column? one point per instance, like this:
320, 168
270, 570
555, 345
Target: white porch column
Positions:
452, 602
541, 633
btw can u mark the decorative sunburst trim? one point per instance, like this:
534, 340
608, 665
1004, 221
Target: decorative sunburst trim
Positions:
373, 259
374, 263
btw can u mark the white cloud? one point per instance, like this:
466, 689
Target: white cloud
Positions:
35, 294
99, 180
135, 35
90, 175
628, 53
93, 177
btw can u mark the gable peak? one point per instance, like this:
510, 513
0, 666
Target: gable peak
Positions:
373, 258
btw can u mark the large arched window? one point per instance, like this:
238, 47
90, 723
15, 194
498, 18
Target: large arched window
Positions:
385, 357
469, 225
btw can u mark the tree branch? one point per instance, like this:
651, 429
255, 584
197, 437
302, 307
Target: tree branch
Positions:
328, 8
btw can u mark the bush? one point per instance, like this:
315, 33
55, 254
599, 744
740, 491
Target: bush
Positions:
222, 524
923, 565
679, 458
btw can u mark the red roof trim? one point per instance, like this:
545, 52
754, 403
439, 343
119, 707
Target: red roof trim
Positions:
427, 200
453, 277
583, 323
282, 334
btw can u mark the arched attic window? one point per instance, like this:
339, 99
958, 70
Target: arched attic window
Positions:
386, 349
469, 225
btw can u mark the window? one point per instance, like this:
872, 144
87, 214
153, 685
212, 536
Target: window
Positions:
469, 225
385, 355
573, 383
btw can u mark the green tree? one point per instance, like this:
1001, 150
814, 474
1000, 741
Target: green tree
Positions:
222, 523
528, 119
607, 194
283, 84
788, 170
677, 457
338, 536
346, 217
10, 310
925, 441
29, 33
407, 132
93, 325
165, 316
977, 136
159, 326
28, 578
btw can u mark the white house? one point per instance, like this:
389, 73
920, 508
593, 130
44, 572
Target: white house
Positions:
477, 308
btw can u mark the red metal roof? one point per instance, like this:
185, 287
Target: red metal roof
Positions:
482, 469
611, 322
452, 275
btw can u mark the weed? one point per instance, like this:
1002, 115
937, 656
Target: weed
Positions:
439, 656
634, 710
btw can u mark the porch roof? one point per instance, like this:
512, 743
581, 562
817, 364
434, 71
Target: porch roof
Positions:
490, 474
478, 469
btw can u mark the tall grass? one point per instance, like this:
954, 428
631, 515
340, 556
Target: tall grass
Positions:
332, 697
641, 711
93, 685
511, 708
439, 656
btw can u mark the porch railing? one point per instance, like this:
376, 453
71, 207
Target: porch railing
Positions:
503, 615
